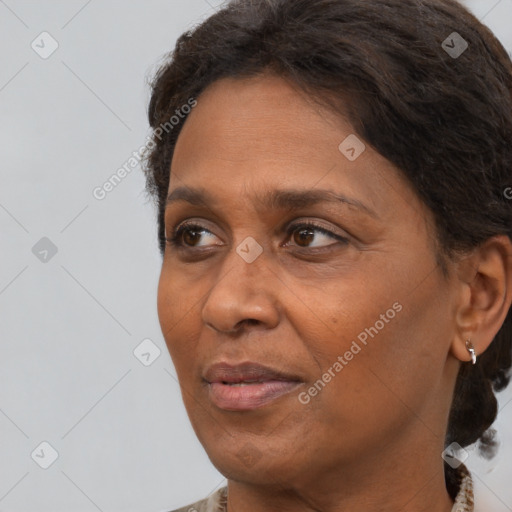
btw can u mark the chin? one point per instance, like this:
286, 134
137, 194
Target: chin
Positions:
259, 460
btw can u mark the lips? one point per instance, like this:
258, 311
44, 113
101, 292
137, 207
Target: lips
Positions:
247, 386
244, 372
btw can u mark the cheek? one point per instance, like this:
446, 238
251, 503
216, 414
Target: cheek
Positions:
167, 303
383, 318
392, 355
176, 308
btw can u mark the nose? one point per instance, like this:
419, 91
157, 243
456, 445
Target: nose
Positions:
243, 294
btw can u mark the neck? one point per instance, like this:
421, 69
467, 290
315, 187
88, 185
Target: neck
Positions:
409, 478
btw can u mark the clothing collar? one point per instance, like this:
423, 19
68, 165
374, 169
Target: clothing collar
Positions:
464, 501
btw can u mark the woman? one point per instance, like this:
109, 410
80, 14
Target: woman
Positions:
335, 292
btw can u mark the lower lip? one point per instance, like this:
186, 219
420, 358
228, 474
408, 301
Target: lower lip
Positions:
250, 396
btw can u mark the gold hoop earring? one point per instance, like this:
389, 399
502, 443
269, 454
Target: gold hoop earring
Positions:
471, 350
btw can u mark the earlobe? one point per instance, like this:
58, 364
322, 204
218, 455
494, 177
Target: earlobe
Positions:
485, 278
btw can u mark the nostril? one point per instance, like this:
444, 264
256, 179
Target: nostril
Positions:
249, 321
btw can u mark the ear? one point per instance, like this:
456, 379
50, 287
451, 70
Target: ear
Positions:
485, 278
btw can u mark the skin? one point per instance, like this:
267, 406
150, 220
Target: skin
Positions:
374, 435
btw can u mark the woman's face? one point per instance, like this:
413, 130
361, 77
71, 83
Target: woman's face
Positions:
351, 314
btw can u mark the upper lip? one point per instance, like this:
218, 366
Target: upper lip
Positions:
245, 372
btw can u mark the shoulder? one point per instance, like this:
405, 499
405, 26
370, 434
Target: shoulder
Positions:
464, 501
216, 502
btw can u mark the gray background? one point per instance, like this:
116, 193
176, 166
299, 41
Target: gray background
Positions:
69, 324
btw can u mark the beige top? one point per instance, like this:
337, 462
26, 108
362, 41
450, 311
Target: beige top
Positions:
217, 502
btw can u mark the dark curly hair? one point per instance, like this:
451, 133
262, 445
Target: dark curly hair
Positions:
444, 120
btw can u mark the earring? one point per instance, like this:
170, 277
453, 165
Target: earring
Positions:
471, 350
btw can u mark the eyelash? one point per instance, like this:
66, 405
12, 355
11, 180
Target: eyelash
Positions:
175, 240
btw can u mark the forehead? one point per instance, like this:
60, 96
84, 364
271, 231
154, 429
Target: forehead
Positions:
263, 114
260, 133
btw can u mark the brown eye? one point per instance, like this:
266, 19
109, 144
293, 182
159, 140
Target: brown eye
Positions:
303, 235
188, 235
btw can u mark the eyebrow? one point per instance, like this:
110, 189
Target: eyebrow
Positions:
290, 199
